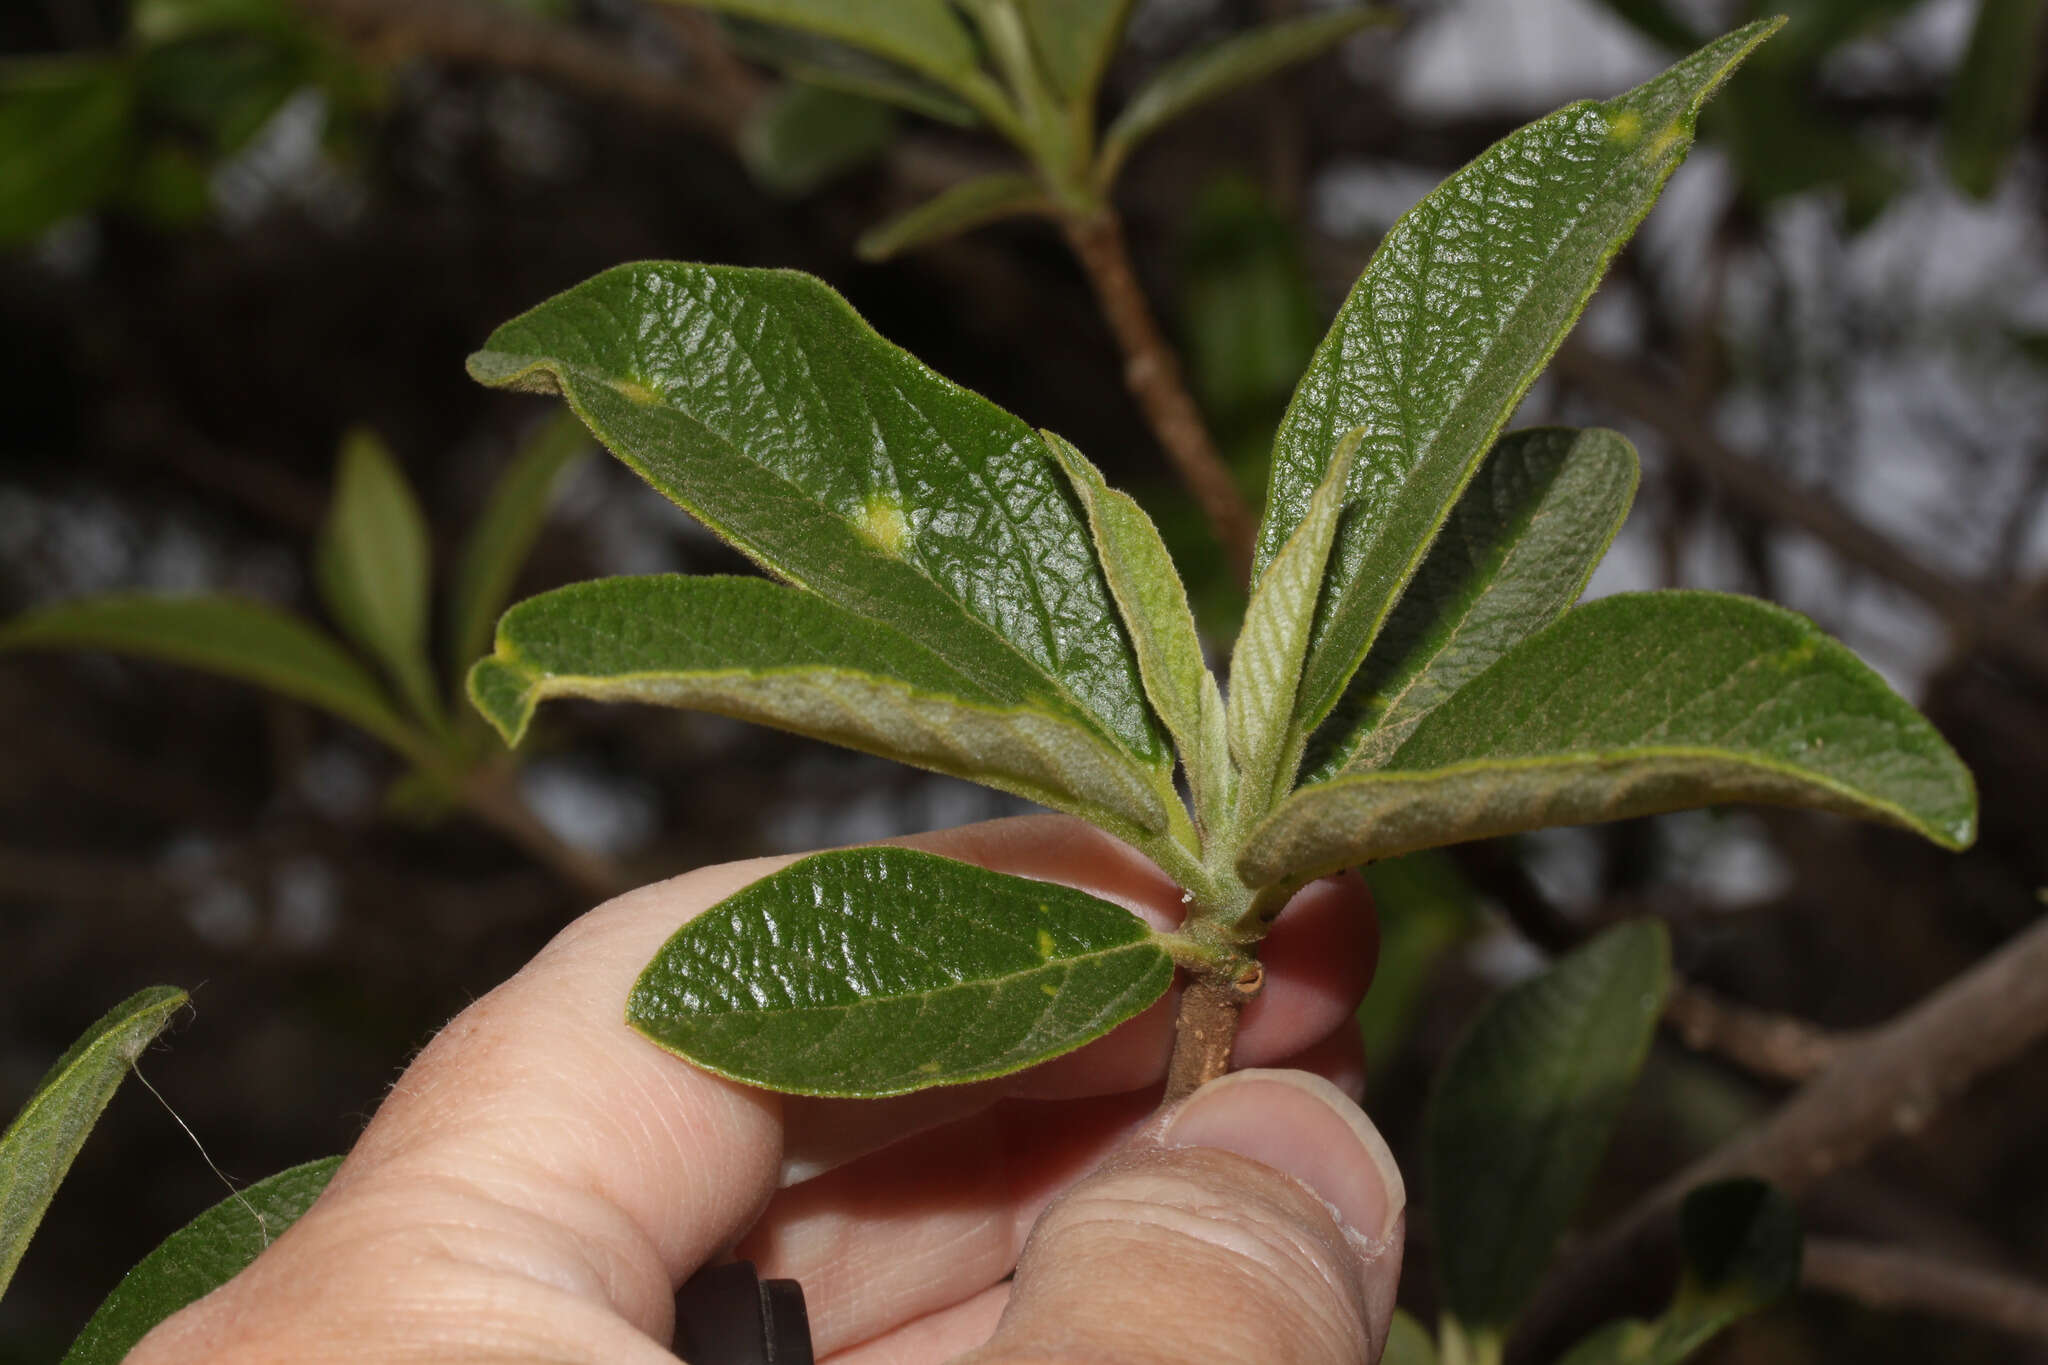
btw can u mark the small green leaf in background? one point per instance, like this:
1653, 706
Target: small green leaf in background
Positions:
1408, 1342
1517, 550
66, 136
1459, 310
876, 971
1425, 908
967, 205
761, 403
1522, 1113
504, 533
40, 1145
805, 136
197, 1259
1075, 40
1633, 705
244, 640
1993, 92
374, 568
1154, 604
1202, 76
779, 656
813, 60
924, 35
1742, 1244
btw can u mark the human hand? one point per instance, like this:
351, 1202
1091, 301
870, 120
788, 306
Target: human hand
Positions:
541, 1178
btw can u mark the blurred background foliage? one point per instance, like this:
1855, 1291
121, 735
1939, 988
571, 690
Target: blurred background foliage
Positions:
232, 232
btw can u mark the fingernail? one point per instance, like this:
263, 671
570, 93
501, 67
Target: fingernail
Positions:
1303, 1125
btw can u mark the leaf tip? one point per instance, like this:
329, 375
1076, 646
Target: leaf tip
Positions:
503, 694
519, 373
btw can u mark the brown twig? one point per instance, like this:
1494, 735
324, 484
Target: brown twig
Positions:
1774, 1045
1152, 373
1891, 1081
1892, 1278
1768, 495
1205, 1030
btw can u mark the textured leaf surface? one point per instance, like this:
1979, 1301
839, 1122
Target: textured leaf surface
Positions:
504, 534
1516, 551
243, 640
1523, 1111
1265, 665
1742, 1244
1154, 603
761, 403
1202, 76
779, 656
1460, 308
965, 206
875, 971
374, 569
1993, 92
1631, 705
44, 1138
197, 1259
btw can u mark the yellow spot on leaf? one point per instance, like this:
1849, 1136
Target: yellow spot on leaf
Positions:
1627, 126
883, 523
1045, 944
633, 391
1665, 139
928, 1068
1050, 989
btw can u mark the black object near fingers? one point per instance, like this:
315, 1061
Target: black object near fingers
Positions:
729, 1315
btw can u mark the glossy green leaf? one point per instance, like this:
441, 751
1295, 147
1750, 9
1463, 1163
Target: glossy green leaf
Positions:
1516, 552
1265, 666
1631, 705
1154, 604
1460, 308
1075, 40
967, 205
244, 640
40, 1145
924, 35
813, 60
197, 1259
779, 656
760, 402
1993, 92
876, 971
504, 534
1202, 76
373, 567
1742, 1245
66, 135
1523, 1110
806, 136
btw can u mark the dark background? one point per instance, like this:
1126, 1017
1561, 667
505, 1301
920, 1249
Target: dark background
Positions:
1816, 298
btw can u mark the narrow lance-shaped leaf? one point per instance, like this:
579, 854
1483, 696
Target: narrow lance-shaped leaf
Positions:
197, 1259
244, 640
1523, 1110
1265, 665
876, 971
831, 65
1075, 40
373, 568
40, 1145
1154, 603
504, 533
967, 205
1517, 550
761, 403
1202, 76
1632, 705
1993, 92
1742, 1245
67, 134
779, 656
808, 135
1459, 310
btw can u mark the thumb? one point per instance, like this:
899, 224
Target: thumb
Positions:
1260, 1220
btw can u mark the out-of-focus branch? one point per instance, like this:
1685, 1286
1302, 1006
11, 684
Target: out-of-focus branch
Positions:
493, 797
498, 36
1964, 606
1152, 373
1774, 1045
1891, 1278
1891, 1081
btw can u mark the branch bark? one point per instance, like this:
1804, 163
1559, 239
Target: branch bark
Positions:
1205, 1030
1891, 1082
1892, 1278
1769, 1044
1978, 613
1153, 375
